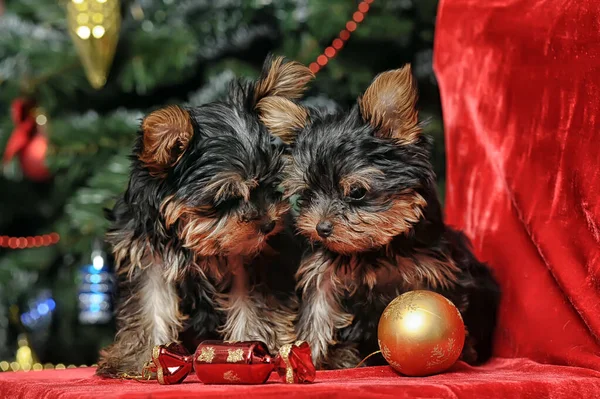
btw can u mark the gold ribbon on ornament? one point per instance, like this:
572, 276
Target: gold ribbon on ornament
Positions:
284, 352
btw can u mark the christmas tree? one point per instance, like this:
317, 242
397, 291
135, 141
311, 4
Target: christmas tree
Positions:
166, 51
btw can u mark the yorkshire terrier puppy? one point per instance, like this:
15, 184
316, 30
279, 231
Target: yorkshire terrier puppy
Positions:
199, 236
368, 205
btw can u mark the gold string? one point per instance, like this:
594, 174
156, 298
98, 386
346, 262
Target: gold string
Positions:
138, 378
144, 377
366, 358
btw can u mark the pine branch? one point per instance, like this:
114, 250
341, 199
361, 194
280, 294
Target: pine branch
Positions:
12, 28
214, 89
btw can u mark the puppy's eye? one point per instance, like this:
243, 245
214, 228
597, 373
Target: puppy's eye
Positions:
228, 202
357, 193
304, 198
275, 190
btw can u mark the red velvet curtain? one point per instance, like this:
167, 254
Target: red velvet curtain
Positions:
520, 85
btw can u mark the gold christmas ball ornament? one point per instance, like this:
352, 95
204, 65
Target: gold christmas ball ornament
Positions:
94, 27
421, 333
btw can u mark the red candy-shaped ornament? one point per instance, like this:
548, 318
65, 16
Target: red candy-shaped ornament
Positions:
221, 362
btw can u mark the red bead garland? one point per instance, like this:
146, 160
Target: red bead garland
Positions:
344, 35
29, 242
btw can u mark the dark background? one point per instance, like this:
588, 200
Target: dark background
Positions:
168, 51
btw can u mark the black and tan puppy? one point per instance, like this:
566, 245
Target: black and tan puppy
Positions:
369, 207
199, 236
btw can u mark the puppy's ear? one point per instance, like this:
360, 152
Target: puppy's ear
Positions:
167, 134
282, 117
280, 82
282, 78
389, 106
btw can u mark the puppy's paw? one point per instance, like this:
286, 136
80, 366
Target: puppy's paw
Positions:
107, 370
115, 362
342, 357
469, 354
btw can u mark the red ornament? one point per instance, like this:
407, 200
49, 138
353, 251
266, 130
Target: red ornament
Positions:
220, 362
27, 141
25, 127
33, 158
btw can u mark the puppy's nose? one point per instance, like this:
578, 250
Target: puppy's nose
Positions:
267, 226
325, 228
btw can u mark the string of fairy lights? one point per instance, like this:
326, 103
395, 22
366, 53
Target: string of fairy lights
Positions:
25, 360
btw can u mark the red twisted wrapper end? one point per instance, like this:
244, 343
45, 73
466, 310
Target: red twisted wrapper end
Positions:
294, 363
171, 363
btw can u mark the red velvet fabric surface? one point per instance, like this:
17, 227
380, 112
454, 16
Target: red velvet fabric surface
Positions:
501, 378
520, 82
